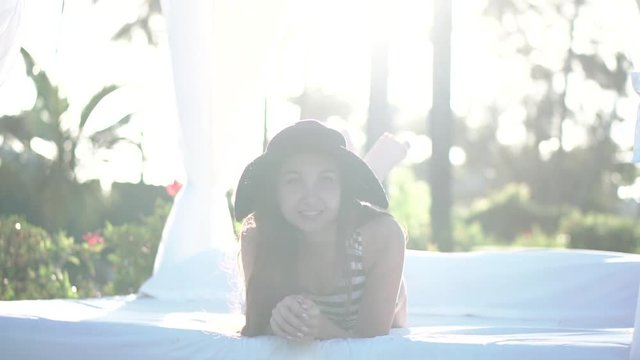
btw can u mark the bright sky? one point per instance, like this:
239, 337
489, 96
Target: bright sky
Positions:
324, 45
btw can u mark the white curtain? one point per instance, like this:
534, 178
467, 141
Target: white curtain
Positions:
219, 51
10, 21
635, 81
635, 344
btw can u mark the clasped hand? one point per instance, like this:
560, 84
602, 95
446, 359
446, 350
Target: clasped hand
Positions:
295, 318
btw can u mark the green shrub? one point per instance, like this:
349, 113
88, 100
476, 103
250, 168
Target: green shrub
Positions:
52, 201
468, 236
36, 265
601, 232
86, 268
409, 202
509, 213
131, 249
537, 238
32, 262
129, 202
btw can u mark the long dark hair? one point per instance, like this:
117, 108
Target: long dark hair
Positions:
275, 274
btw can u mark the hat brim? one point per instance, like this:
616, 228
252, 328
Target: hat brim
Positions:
365, 185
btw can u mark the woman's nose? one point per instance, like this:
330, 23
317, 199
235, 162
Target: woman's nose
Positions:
310, 193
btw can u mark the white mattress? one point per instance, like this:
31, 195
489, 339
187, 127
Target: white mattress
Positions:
533, 304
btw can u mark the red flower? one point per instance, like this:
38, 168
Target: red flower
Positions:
93, 238
173, 189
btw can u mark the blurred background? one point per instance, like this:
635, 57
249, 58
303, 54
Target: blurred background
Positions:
520, 117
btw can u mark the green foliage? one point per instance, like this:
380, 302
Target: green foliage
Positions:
468, 236
601, 232
86, 268
32, 262
47, 199
557, 173
45, 122
36, 265
148, 9
129, 202
510, 212
409, 202
537, 238
131, 249
43, 187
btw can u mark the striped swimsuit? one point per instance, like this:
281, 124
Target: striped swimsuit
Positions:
337, 306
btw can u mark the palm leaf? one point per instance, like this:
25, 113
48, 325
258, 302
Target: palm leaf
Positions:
28, 61
106, 136
93, 103
125, 32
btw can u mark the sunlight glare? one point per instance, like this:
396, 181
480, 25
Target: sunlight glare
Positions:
457, 156
573, 135
43, 147
548, 147
420, 146
511, 130
630, 191
325, 45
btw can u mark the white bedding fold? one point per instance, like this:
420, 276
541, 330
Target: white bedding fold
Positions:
530, 304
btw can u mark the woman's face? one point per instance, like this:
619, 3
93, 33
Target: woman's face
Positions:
308, 191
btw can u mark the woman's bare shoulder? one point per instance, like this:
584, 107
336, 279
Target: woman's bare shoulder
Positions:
383, 226
382, 235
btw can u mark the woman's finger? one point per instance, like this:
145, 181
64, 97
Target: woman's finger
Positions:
276, 329
289, 330
302, 307
292, 313
310, 308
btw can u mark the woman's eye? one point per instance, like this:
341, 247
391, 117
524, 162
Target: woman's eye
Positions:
328, 179
292, 180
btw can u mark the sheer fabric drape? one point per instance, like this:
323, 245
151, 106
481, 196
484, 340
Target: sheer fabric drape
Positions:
218, 52
11, 12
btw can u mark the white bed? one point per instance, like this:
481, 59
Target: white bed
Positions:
528, 304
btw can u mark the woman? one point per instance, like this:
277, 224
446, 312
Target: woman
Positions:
320, 259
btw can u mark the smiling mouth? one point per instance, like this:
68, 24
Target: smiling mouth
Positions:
309, 213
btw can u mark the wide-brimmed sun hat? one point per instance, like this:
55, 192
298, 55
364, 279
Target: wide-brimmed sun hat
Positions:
303, 137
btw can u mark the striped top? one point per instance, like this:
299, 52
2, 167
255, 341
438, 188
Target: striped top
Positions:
340, 306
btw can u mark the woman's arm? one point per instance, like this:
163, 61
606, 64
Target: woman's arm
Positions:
383, 257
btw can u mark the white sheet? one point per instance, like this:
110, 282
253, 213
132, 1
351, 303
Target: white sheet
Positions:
533, 304
559, 287
47, 339
11, 12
